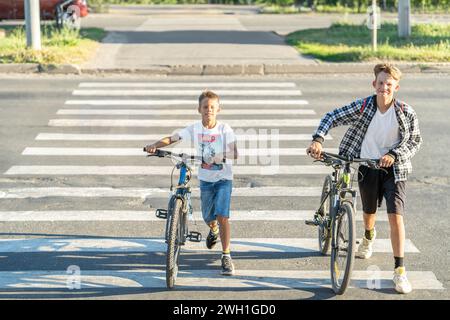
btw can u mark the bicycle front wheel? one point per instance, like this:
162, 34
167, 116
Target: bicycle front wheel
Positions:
343, 249
173, 243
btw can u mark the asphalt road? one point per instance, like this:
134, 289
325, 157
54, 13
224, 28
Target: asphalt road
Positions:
107, 237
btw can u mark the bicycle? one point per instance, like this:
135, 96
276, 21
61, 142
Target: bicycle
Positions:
177, 213
335, 217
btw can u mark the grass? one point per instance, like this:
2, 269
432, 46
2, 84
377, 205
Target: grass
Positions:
291, 9
58, 46
344, 42
276, 9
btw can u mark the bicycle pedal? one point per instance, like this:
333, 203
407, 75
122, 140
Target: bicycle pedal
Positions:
194, 236
311, 223
161, 213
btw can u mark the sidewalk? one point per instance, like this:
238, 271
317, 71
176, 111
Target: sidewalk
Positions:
192, 40
205, 40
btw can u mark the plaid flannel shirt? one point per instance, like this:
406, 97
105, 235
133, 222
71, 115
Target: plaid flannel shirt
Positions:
359, 119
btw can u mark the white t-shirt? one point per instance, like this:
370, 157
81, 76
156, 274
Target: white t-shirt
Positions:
207, 143
382, 135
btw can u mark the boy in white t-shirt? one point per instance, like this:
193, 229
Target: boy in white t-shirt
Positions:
215, 142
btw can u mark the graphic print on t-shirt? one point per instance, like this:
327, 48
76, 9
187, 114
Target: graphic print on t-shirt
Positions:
210, 145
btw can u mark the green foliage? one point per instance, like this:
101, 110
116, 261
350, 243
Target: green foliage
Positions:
351, 6
349, 42
58, 46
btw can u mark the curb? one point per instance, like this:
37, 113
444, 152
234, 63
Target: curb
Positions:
224, 70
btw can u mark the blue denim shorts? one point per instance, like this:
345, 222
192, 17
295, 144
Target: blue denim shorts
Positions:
215, 198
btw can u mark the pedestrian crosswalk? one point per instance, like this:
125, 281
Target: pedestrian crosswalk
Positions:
272, 245
207, 280
99, 133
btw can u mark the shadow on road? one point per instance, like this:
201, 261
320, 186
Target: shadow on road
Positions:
195, 36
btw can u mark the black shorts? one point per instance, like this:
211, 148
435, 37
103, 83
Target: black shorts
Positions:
374, 184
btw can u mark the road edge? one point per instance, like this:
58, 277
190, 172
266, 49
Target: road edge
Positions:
224, 70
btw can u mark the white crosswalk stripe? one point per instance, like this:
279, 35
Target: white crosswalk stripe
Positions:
281, 245
138, 151
197, 85
161, 170
178, 102
102, 192
153, 137
253, 123
225, 92
181, 112
134, 215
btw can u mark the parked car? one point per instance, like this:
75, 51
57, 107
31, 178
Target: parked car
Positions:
64, 12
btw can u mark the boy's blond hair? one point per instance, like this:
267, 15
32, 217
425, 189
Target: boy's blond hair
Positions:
388, 68
207, 94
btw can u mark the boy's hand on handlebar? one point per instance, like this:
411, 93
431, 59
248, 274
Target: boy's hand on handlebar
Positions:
150, 149
386, 161
315, 150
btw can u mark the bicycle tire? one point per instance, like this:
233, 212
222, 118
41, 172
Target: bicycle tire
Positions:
173, 243
324, 233
346, 265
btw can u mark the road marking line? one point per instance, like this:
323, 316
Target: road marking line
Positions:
150, 137
40, 192
179, 92
160, 170
173, 123
193, 102
38, 151
199, 85
202, 279
149, 215
184, 112
272, 245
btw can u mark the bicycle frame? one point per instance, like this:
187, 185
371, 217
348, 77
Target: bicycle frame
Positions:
341, 186
183, 192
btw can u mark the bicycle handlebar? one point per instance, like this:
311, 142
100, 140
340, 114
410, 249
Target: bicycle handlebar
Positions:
164, 153
372, 163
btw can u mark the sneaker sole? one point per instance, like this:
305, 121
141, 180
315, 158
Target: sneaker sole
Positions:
402, 291
228, 273
212, 245
364, 257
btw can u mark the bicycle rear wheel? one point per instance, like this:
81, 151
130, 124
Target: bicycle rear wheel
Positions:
173, 243
323, 230
343, 250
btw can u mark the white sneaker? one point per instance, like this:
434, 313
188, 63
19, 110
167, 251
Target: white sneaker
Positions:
401, 282
365, 249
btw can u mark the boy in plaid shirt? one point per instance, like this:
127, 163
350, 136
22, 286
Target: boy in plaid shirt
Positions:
381, 127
